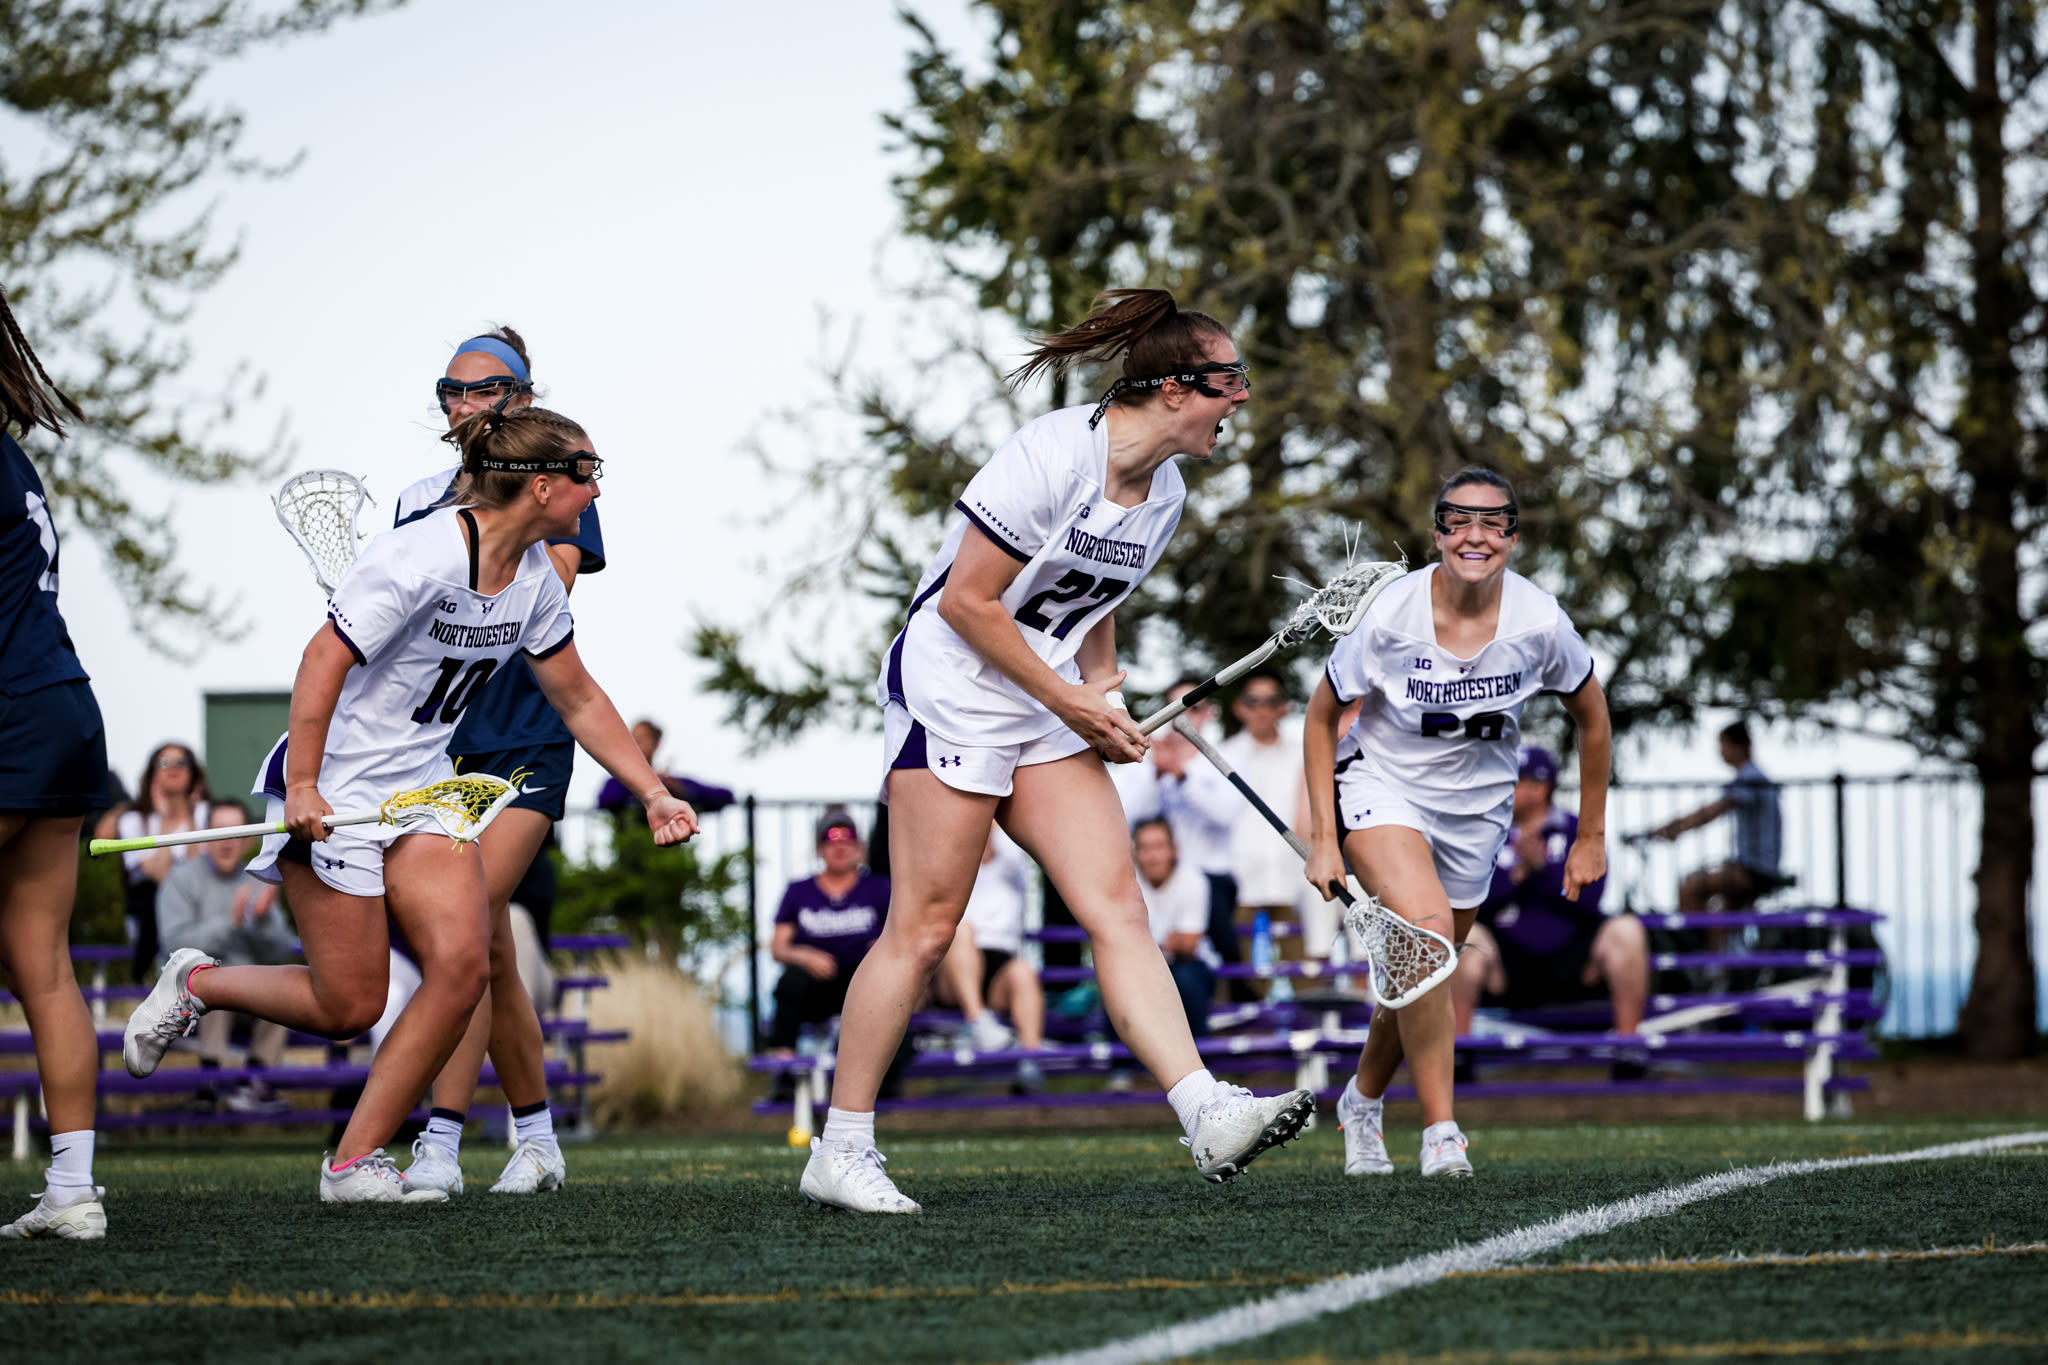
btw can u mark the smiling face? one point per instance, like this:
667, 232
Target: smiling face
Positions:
1155, 853
1476, 552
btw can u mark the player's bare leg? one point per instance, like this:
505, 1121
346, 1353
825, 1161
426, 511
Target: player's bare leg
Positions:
1479, 973
936, 836
1067, 817
340, 991
38, 882
959, 983
1015, 992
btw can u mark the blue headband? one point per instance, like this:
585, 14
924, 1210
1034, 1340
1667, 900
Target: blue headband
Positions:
493, 346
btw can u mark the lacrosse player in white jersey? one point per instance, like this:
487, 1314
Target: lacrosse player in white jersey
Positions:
424, 618
1421, 791
1000, 703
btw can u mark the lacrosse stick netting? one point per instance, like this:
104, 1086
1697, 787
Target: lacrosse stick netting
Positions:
320, 508
462, 806
1407, 961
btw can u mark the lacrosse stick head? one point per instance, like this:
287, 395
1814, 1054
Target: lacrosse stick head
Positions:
1340, 604
459, 807
1406, 960
320, 509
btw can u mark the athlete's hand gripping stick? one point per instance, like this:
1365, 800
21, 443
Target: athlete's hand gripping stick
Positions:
1406, 961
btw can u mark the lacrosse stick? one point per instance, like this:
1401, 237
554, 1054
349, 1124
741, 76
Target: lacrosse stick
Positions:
319, 508
1406, 960
1337, 607
459, 807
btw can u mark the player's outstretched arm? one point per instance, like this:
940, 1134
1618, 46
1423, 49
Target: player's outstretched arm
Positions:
1319, 770
971, 604
1587, 861
323, 668
598, 727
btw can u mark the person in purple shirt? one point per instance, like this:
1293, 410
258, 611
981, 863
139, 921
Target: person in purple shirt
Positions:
825, 926
615, 800
1534, 947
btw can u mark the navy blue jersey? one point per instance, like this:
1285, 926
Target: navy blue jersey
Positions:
35, 648
512, 712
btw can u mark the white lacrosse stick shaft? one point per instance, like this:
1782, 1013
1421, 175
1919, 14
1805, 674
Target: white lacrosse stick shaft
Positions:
411, 816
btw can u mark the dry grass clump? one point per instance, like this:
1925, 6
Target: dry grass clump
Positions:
673, 1060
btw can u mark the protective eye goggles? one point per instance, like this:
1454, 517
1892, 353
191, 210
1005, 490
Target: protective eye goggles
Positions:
496, 389
1452, 518
1213, 380
581, 466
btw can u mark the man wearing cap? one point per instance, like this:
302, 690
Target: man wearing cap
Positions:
1534, 947
823, 929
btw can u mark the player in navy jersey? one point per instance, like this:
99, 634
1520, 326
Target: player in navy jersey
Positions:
53, 769
999, 704
428, 612
507, 726
1417, 798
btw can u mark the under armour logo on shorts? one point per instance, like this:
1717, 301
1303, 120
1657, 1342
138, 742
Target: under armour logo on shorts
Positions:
333, 864
952, 760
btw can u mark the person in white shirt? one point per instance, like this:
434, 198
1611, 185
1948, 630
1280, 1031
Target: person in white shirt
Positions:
1177, 782
1417, 798
999, 703
1177, 907
1266, 870
985, 970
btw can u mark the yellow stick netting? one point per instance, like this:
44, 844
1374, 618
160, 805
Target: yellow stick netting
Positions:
455, 803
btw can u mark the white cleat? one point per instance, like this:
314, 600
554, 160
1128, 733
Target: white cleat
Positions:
1236, 1126
166, 1014
80, 1218
433, 1168
852, 1178
1443, 1150
989, 1035
1365, 1141
372, 1179
535, 1166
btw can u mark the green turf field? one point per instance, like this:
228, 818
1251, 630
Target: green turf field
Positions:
1042, 1243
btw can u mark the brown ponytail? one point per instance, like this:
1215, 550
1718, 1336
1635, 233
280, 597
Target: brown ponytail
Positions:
25, 386
1144, 328
520, 435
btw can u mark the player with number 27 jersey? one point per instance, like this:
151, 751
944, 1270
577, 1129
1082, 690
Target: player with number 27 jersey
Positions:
425, 641
1040, 499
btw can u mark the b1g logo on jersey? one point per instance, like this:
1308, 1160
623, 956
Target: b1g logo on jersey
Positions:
445, 605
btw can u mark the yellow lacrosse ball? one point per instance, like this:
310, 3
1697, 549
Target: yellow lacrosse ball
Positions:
799, 1138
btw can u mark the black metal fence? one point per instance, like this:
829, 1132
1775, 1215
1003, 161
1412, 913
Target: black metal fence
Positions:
1904, 846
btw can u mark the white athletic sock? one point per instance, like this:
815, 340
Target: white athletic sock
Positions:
444, 1130
1353, 1095
845, 1128
70, 1171
1189, 1094
538, 1126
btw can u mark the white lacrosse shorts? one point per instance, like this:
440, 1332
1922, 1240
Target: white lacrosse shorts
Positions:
983, 769
1464, 847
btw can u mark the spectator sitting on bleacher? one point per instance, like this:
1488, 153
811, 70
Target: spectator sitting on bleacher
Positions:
171, 797
1177, 906
208, 902
623, 806
825, 926
1533, 946
985, 970
1174, 781
1753, 799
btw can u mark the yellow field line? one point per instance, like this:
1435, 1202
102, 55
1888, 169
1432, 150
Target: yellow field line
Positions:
326, 1299
1666, 1265
1674, 1350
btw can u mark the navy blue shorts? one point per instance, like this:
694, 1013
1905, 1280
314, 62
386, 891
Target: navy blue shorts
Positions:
548, 766
53, 751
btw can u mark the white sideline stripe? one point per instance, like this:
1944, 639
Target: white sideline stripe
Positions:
1263, 1316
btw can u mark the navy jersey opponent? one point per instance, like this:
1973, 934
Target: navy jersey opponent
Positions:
53, 758
511, 724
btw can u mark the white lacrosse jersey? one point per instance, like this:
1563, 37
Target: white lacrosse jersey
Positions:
1039, 498
1442, 730
425, 641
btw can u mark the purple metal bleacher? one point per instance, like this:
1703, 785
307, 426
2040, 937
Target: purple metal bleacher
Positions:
569, 1029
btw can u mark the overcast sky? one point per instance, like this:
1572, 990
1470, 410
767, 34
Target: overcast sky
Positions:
661, 197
